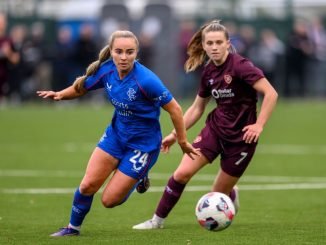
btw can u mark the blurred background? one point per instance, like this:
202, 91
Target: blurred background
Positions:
55, 40
44, 145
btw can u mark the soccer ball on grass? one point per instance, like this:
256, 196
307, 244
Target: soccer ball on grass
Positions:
215, 211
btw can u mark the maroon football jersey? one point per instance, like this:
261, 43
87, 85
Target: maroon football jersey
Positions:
231, 86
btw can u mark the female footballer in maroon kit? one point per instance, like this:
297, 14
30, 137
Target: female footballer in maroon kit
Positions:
232, 129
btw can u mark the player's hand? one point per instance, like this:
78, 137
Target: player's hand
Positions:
252, 132
188, 149
49, 94
167, 142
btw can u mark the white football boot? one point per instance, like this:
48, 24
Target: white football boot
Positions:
154, 223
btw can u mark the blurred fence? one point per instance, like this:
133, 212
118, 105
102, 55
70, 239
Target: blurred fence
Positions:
55, 50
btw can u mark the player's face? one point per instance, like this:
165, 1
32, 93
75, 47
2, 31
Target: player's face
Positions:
216, 46
124, 53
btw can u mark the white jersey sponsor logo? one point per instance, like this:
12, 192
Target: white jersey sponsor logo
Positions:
222, 93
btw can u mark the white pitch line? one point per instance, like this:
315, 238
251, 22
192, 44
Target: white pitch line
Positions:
39, 173
160, 176
277, 149
194, 188
271, 149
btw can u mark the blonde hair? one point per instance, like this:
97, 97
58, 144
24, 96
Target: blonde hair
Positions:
195, 51
104, 55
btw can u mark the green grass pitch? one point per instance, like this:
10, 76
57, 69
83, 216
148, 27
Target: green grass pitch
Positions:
44, 150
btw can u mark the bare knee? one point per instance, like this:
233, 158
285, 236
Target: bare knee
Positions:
88, 188
110, 203
188, 168
182, 177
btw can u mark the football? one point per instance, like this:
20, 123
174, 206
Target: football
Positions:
215, 211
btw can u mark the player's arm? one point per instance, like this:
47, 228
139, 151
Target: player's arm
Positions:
253, 131
65, 94
195, 111
192, 115
176, 114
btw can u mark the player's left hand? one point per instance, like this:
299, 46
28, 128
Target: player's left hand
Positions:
188, 149
252, 133
167, 142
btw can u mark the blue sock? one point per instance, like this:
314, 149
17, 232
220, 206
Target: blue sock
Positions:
80, 207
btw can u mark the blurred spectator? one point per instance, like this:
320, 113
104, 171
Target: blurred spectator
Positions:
187, 30
249, 41
298, 50
269, 54
7, 55
146, 50
235, 38
63, 72
36, 55
85, 52
150, 29
86, 49
317, 67
188, 81
18, 34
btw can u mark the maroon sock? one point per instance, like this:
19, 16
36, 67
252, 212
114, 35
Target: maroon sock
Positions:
170, 197
232, 195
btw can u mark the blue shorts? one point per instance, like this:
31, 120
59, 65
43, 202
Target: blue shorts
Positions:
132, 162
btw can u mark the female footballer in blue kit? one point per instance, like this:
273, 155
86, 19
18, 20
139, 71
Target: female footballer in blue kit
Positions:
232, 129
131, 143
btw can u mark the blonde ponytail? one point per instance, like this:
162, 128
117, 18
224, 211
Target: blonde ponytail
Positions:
92, 68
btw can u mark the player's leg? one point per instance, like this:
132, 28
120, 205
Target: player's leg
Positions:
134, 166
207, 141
234, 161
226, 184
117, 189
100, 166
173, 191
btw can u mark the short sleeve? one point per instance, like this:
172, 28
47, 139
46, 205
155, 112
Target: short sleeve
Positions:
204, 90
95, 81
155, 90
248, 72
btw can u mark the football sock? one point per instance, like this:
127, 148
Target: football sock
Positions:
74, 227
170, 197
232, 195
158, 219
80, 207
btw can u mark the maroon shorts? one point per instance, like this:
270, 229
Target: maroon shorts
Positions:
235, 157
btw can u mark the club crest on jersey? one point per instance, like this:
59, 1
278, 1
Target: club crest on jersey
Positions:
227, 78
131, 94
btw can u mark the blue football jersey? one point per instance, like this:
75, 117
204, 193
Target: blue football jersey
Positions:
137, 99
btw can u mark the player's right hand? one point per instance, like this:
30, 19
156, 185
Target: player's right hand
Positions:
188, 149
49, 94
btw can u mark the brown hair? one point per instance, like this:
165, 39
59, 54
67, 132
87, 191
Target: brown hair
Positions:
104, 54
195, 49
